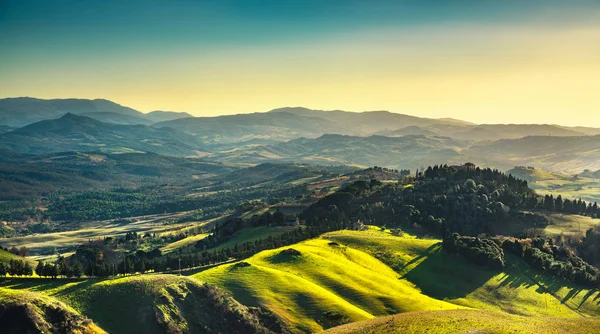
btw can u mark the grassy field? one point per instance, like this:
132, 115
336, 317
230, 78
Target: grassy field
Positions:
341, 277
47, 314
185, 242
254, 233
568, 224
144, 304
469, 321
63, 241
321, 278
516, 289
7, 256
569, 186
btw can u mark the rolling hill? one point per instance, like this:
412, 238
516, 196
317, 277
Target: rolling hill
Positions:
487, 132
33, 312
310, 284
243, 127
79, 133
21, 111
152, 304
347, 276
402, 152
18, 112
468, 321
27, 176
162, 116
558, 154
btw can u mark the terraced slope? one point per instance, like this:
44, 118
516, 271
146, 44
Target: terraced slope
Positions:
317, 284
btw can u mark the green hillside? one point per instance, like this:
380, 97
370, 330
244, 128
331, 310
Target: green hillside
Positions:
340, 278
584, 185
79, 133
307, 281
153, 304
468, 321
6, 256
33, 312
516, 289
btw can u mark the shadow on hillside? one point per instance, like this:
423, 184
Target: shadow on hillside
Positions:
44, 284
428, 252
442, 275
517, 274
554, 284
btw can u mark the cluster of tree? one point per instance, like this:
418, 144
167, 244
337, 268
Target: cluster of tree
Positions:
101, 261
589, 246
16, 268
21, 251
226, 230
117, 203
60, 268
443, 199
19, 210
559, 260
480, 251
578, 207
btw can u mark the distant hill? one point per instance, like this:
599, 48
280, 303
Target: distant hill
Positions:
292, 123
513, 131
591, 174
574, 186
17, 112
409, 131
486, 132
559, 154
362, 123
161, 116
278, 173
116, 118
78, 133
26, 176
276, 125
401, 152
242, 127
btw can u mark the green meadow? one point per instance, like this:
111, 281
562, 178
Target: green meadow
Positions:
396, 283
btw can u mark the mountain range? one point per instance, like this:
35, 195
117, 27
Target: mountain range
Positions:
79, 133
296, 134
20, 111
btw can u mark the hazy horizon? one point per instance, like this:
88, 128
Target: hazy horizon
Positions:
482, 62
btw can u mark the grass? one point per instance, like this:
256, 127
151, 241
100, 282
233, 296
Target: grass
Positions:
65, 241
187, 241
341, 277
6, 256
568, 224
142, 304
516, 289
548, 183
45, 314
254, 233
469, 321
322, 278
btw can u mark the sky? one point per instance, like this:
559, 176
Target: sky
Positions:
485, 61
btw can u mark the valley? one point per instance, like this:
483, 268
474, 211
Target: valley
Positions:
295, 221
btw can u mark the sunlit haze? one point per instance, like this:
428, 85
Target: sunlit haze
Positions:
480, 61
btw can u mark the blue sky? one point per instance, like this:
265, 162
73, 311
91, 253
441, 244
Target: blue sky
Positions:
220, 57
